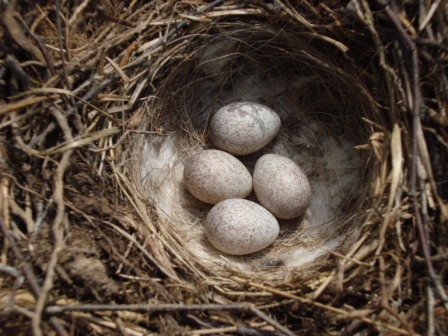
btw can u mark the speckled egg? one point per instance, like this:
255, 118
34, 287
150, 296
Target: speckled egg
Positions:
213, 176
281, 186
239, 226
243, 128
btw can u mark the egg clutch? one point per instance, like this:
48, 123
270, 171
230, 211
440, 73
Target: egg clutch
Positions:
235, 225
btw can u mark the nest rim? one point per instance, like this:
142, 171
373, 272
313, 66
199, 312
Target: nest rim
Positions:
187, 68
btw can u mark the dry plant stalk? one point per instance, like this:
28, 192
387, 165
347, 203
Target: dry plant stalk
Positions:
83, 247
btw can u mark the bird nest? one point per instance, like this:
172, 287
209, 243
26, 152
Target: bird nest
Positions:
102, 105
321, 102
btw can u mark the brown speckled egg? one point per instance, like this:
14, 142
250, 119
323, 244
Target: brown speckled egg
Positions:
239, 226
243, 128
213, 176
281, 186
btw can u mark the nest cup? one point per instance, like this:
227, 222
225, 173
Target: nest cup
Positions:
321, 101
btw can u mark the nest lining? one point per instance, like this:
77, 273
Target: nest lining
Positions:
320, 104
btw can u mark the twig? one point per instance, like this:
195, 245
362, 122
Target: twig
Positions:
11, 107
94, 91
24, 215
23, 311
430, 43
41, 46
121, 327
385, 297
271, 321
27, 269
57, 228
435, 258
417, 104
78, 11
83, 140
61, 46
13, 65
56, 323
437, 135
19, 278
102, 13
169, 308
170, 273
294, 14
58, 243
431, 303
12, 26
428, 17
341, 312
120, 72
10, 270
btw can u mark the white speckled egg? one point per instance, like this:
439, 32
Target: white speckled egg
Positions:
281, 186
239, 226
243, 128
213, 176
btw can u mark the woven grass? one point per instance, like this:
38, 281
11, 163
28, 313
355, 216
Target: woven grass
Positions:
321, 105
85, 247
